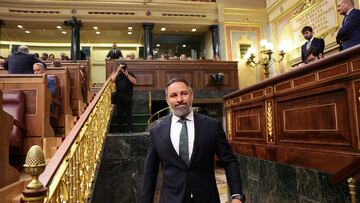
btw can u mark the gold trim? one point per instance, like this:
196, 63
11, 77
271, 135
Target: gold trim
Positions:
229, 124
269, 120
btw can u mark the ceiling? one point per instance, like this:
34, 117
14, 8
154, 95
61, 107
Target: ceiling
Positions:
47, 31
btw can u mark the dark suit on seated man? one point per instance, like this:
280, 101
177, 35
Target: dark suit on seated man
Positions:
185, 145
349, 33
312, 42
114, 53
21, 62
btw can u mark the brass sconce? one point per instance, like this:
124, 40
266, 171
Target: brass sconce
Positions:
265, 57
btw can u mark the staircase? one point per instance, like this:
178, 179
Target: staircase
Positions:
139, 123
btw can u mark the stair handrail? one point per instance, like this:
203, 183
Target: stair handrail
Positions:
71, 171
157, 114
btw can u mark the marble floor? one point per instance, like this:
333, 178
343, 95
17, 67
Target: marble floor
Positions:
221, 184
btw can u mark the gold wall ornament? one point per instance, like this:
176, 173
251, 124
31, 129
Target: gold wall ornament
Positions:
269, 120
229, 124
34, 165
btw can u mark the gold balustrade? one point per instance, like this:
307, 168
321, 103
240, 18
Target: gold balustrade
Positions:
71, 172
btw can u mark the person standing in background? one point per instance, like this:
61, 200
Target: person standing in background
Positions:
349, 33
312, 41
125, 82
114, 53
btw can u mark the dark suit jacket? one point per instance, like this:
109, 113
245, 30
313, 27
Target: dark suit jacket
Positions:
114, 55
20, 63
317, 42
349, 33
180, 180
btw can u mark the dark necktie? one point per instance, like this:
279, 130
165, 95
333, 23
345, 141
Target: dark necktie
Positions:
184, 142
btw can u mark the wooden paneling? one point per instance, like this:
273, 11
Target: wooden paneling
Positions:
38, 98
311, 119
153, 75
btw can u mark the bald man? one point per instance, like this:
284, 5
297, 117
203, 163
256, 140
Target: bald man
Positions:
349, 33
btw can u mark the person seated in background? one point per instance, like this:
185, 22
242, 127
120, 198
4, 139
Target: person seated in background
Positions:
64, 56
164, 57
216, 57
51, 57
39, 68
36, 55
56, 64
312, 54
21, 62
183, 57
130, 56
149, 57
44, 57
2, 61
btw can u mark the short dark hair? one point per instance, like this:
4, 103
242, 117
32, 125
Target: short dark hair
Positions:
315, 51
124, 65
306, 28
173, 80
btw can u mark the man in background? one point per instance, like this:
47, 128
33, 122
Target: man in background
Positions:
349, 33
114, 53
312, 41
21, 62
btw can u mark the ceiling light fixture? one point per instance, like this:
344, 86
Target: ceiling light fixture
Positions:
95, 27
163, 29
130, 28
27, 31
58, 27
193, 30
97, 32
20, 26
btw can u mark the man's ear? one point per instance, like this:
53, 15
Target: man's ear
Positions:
321, 56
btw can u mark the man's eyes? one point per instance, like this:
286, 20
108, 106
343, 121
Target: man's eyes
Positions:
181, 94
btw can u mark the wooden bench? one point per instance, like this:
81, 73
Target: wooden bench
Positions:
78, 101
8, 173
65, 121
37, 117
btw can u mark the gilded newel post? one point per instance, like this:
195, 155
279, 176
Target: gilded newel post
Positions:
34, 165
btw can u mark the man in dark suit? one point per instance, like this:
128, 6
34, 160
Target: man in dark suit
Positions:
185, 144
114, 53
312, 41
21, 62
349, 33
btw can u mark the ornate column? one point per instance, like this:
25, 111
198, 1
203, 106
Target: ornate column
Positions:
215, 39
148, 39
75, 37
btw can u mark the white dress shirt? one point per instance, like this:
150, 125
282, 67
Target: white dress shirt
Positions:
175, 132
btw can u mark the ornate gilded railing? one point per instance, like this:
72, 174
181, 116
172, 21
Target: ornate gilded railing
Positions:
70, 173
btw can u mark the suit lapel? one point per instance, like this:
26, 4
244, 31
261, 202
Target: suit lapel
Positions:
166, 137
198, 130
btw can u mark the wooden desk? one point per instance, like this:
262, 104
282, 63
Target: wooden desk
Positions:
307, 117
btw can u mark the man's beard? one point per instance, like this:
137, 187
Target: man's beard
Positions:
181, 110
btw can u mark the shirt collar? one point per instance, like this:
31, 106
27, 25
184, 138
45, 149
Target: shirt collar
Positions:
311, 39
349, 12
189, 117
